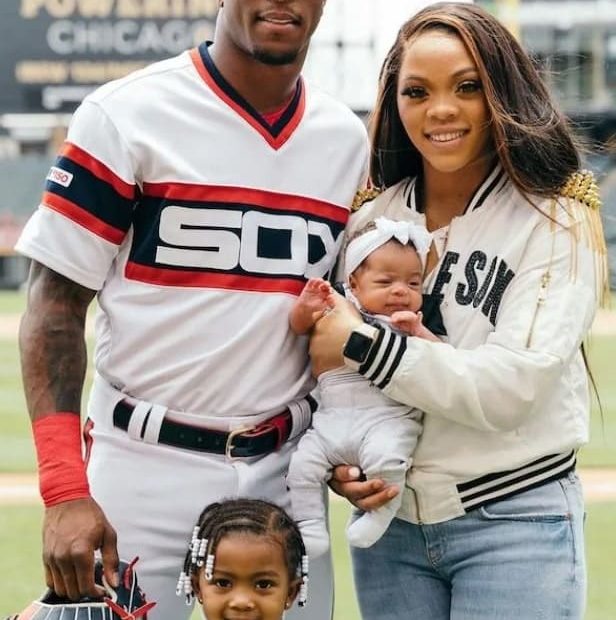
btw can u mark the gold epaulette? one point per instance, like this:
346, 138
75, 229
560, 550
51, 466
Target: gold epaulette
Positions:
363, 196
581, 187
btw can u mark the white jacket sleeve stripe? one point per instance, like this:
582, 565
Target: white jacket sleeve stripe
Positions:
388, 351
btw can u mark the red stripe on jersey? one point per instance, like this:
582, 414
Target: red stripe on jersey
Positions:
82, 217
274, 142
253, 197
202, 279
98, 169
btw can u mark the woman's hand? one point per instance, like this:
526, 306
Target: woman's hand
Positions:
367, 495
331, 333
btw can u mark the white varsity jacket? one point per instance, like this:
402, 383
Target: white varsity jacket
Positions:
507, 396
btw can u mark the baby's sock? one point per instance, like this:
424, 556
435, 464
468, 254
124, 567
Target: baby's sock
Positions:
366, 530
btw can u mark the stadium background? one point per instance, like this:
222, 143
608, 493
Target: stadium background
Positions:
52, 52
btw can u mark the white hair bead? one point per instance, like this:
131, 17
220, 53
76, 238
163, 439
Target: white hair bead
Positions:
209, 567
201, 553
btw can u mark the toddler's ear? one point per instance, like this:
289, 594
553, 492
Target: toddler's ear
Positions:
194, 580
293, 592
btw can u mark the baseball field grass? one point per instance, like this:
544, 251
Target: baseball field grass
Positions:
21, 582
20, 544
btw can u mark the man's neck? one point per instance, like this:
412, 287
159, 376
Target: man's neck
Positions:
265, 87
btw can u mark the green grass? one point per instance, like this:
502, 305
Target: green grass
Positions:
22, 579
601, 451
20, 563
601, 551
12, 302
16, 449
16, 453
20, 545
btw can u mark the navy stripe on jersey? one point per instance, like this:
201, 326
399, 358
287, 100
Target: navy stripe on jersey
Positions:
276, 129
275, 135
236, 238
286, 117
87, 192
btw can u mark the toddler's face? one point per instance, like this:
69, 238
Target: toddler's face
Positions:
250, 580
389, 280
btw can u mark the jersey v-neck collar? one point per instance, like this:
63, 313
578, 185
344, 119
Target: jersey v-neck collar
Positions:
491, 185
277, 134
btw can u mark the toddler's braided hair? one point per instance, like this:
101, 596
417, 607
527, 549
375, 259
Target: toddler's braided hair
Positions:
233, 516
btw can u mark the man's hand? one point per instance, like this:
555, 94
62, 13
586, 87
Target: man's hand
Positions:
367, 495
330, 335
72, 531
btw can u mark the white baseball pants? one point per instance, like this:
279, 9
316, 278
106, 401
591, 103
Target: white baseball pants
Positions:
153, 494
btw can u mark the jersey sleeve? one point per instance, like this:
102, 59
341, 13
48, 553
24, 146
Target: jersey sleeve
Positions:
545, 313
87, 204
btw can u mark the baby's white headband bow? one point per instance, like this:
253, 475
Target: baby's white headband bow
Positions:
361, 247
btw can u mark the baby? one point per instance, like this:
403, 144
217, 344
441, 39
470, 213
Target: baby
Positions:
356, 423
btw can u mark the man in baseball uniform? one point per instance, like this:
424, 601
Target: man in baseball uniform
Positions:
193, 199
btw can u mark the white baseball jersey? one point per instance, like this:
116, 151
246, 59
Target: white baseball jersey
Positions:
199, 223
506, 400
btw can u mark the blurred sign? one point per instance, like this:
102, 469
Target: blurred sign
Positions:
53, 52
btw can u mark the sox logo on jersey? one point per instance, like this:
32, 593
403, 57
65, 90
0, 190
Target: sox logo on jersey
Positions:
225, 239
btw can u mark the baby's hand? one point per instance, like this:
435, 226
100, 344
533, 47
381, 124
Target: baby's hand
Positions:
315, 297
411, 323
407, 321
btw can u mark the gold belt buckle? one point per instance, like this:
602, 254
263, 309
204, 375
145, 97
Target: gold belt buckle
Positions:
231, 436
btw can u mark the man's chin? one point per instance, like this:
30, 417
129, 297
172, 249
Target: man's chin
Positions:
276, 59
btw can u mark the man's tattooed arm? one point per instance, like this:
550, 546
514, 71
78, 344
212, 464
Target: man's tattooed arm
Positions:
52, 342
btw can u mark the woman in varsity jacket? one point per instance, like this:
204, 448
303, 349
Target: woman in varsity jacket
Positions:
467, 141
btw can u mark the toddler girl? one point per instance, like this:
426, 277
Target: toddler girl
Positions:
246, 559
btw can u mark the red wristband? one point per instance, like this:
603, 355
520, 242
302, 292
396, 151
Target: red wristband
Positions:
62, 472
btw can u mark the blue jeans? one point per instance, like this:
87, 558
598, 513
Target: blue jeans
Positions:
520, 558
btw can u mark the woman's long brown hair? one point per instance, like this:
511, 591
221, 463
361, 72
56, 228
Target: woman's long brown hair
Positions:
532, 139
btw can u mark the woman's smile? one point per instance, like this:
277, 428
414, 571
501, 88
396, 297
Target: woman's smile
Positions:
446, 137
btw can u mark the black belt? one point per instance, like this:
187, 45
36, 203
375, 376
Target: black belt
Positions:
262, 439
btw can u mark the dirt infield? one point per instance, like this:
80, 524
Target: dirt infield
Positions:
22, 489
